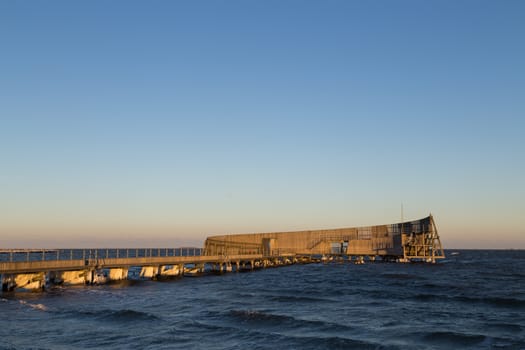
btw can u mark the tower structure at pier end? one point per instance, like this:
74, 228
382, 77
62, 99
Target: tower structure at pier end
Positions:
416, 240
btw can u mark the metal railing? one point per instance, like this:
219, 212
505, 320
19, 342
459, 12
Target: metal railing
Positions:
29, 255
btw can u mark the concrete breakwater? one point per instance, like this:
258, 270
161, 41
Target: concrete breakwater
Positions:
36, 269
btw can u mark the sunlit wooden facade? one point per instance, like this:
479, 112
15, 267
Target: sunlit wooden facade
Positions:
409, 241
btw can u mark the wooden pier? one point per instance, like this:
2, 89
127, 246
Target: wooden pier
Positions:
403, 242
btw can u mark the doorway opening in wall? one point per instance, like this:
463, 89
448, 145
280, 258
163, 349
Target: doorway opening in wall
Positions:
338, 247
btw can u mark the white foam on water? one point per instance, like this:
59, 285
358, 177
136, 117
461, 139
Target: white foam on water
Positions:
41, 307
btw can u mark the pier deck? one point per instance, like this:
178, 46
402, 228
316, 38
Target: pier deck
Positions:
15, 267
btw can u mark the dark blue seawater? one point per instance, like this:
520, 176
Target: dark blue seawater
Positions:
473, 300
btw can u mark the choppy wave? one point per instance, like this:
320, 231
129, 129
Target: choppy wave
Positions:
402, 276
252, 315
506, 327
127, 315
297, 298
494, 301
454, 338
281, 323
110, 315
502, 302
262, 338
40, 307
262, 319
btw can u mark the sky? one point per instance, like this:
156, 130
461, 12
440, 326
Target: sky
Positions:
158, 123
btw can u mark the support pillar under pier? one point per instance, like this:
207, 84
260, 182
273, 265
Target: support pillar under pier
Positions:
95, 277
196, 270
28, 281
173, 270
8, 283
118, 274
149, 271
70, 277
200, 268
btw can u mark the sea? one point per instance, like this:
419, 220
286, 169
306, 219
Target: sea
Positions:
474, 299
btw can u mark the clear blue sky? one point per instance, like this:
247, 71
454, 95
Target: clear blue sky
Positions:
153, 123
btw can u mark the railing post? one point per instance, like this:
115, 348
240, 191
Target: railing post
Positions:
58, 254
118, 255
43, 254
127, 253
107, 253
28, 256
70, 254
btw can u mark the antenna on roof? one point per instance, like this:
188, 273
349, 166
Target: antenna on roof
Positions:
402, 219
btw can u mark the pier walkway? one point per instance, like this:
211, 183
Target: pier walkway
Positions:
33, 269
